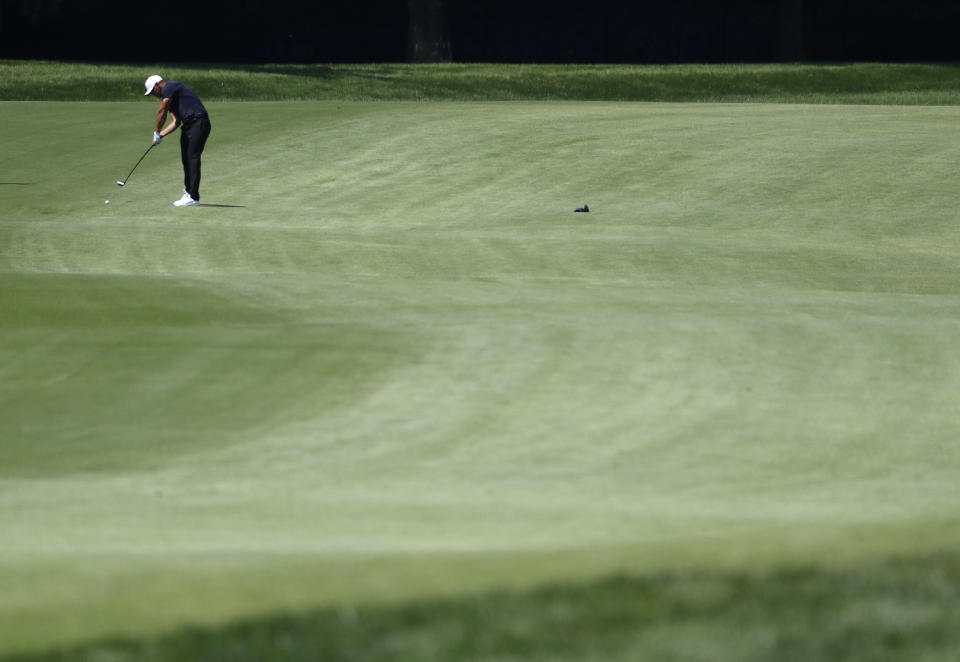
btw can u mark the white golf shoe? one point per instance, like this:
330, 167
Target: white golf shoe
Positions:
186, 201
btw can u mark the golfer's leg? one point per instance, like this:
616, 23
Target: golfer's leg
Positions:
184, 158
197, 140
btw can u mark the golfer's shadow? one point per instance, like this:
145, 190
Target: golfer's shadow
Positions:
206, 204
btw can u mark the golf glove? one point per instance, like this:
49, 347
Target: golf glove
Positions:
157, 138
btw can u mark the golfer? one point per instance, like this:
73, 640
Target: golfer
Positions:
186, 112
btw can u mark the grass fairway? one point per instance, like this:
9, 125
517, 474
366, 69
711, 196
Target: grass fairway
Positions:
386, 361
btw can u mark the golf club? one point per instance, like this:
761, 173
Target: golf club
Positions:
123, 183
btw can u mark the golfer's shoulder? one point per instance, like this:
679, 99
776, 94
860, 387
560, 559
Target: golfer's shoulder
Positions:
172, 88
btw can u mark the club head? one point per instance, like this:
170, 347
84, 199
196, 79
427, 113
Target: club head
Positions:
120, 183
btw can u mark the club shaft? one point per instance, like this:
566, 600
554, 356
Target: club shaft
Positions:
138, 163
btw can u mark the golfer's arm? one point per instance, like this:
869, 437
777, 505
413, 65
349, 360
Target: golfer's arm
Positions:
174, 123
162, 117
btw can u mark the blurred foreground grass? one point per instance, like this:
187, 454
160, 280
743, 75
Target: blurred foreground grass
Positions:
895, 610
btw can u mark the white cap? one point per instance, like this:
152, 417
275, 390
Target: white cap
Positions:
151, 83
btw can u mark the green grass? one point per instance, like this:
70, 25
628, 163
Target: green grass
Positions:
388, 372
893, 611
853, 83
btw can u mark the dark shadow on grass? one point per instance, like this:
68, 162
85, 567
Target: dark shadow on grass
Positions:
204, 204
16, 183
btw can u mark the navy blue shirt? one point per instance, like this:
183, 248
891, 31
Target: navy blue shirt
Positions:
184, 103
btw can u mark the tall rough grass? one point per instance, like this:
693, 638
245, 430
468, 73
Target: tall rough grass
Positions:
865, 83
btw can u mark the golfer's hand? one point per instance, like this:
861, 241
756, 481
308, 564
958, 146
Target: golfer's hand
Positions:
157, 138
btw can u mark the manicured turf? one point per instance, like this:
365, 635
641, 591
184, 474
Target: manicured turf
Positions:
387, 361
